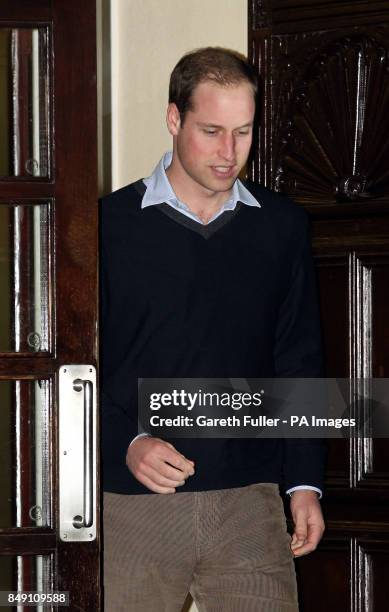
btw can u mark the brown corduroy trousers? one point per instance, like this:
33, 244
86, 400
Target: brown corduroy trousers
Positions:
229, 548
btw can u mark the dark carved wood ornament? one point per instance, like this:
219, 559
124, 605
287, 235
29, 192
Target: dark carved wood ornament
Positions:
323, 139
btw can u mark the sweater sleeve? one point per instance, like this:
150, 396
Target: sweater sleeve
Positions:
119, 425
298, 354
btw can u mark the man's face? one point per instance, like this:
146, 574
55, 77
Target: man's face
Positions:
213, 144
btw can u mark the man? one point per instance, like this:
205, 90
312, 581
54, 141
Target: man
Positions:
204, 276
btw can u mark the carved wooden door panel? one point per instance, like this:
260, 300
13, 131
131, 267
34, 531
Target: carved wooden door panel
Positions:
49, 519
324, 140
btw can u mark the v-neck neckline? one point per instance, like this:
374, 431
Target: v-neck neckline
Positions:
205, 230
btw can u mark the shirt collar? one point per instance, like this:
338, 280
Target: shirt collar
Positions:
159, 189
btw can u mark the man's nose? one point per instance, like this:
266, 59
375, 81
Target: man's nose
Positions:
227, 147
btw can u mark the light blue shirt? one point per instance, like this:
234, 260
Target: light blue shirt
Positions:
159, 190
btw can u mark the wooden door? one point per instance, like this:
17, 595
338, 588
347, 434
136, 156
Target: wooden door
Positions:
324, 140
48, 298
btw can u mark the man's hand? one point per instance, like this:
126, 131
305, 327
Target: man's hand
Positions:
158, 465
308, 522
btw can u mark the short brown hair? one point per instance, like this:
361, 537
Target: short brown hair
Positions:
221, 66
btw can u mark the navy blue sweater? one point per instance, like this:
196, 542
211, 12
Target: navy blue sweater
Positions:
232, 299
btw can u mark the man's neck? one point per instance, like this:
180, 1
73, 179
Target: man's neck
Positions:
202, 202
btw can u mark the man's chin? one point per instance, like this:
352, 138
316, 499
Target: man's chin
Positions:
222, 184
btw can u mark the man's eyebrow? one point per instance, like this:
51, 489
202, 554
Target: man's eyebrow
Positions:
215, 125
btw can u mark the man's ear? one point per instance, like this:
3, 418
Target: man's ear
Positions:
173, 119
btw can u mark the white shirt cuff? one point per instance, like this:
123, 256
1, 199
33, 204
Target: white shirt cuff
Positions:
306, 488
141, 435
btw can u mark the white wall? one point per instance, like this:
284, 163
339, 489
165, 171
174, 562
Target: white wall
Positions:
147, 39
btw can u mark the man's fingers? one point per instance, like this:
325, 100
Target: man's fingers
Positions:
296, 541
159, 479
300, 531
176, 460
161, 472
150, 484
303, 550
302, 546
309, 546
166, 470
